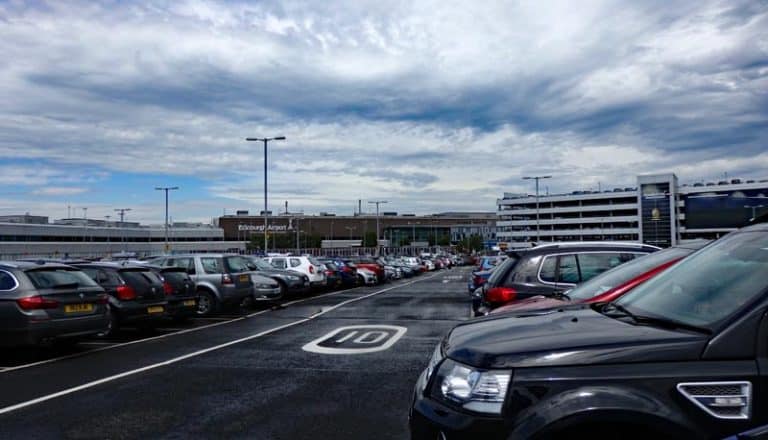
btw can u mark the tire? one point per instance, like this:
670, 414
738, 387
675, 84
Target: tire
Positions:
113, 326
206, 303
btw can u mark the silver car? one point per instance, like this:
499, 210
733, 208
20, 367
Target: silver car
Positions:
220, 278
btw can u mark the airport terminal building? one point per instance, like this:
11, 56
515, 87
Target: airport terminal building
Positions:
657, 211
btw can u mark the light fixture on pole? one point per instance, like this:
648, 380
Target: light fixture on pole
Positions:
265, 141
377, 203
754, 210
166, 189
122, 212
537, 178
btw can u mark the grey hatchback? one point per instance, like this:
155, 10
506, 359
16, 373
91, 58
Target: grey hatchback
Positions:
43, 302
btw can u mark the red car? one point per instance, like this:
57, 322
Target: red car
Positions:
370, 264
609, 285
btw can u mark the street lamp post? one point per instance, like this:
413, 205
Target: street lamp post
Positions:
537, 178
265, 140
166, 189
122, 212
754, 210
377, 203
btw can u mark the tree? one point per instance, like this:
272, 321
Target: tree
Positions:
472, 243
370, 239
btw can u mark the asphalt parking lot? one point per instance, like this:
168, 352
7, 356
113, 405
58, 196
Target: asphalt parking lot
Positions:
339, 365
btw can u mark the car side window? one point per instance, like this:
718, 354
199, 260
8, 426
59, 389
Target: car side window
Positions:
185, 263
594, 264
211, 265
548, 269
295, 262
7, 281
568, 269
279, 263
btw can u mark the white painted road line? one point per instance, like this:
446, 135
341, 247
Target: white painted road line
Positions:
94, 383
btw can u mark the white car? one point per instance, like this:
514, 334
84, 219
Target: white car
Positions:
429, 264
306, 265
368, 276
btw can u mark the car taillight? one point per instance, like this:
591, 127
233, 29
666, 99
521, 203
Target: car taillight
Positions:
36, 303
125, 292
167, 288
102, 299
329, 272
226, 279
500, 295
311, 269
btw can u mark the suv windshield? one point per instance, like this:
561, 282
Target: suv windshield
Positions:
59, 278
621, 274
706, 288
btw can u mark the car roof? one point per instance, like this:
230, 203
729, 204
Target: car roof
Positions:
113, 265
25, 265
599, 244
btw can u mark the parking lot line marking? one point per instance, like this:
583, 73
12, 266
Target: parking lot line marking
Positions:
172, 361
185, 331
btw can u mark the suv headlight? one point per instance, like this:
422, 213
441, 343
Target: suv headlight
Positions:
473, 389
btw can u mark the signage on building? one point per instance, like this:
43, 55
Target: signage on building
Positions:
260, 228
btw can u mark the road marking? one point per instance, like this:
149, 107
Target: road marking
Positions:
172, 361
356, 339
185, 331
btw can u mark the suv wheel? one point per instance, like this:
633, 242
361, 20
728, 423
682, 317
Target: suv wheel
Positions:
206, 303
112, 325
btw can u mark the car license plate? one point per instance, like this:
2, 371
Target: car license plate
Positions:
189, 302
244, 278
155, 309
76, 308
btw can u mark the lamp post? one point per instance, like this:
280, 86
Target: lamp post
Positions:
754, 210
166, 189
537, 178
377, 203
122, 212
265, 141
85, 224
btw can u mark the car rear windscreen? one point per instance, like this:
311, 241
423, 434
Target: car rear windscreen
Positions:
137, 277
59, 278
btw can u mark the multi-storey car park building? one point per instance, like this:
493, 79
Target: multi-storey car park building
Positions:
657, 211
33, 236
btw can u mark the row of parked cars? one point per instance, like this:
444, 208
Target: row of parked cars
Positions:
42, 301
608, 340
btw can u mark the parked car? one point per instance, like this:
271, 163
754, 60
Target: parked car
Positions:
551, 269
332, 275
347, 272
488, 262
180, 292
308, 266
612, 284
367, 277
370, 264
685, 355
47, 302
477, 279
291, 283
137, 296
221, 279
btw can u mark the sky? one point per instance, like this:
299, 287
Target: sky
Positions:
433, 105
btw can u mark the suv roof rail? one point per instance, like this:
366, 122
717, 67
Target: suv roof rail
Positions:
596, 243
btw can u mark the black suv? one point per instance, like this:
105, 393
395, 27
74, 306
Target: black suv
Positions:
136, 293
684, 355
551, 269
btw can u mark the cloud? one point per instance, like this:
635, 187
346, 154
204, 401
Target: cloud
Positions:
59, 191
436, 105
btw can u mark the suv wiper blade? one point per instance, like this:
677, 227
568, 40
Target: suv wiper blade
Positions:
618, 307
671, 323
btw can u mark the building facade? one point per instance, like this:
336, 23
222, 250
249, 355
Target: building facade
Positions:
657, 211
395, 229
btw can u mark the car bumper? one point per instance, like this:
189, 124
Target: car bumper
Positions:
231, 294
428, 419
182, 307
266, 294
139, 312
35, 332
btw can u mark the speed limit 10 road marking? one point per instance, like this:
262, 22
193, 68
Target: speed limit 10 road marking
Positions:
356, 339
